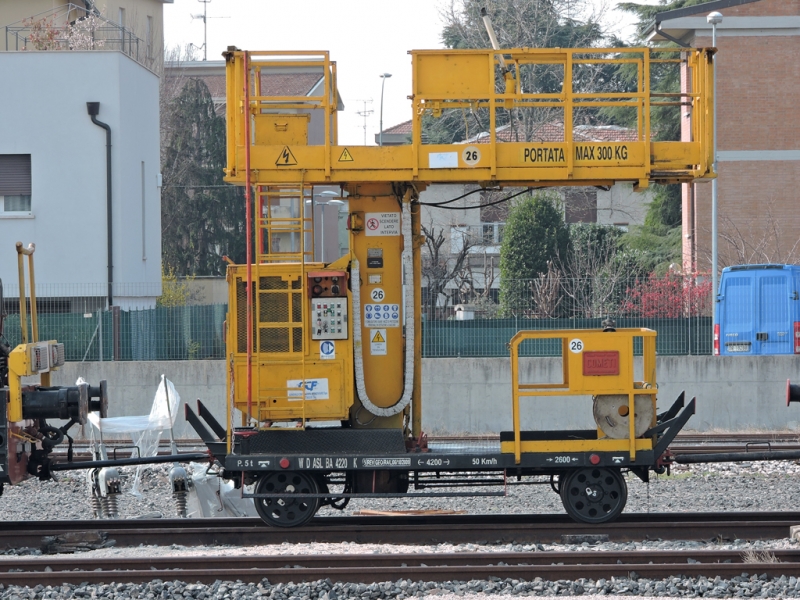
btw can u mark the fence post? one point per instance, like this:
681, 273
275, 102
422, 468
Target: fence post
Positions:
100, 333
117, 344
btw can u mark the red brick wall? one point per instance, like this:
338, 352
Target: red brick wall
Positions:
758, 104
772, 8
758, 203
758, 87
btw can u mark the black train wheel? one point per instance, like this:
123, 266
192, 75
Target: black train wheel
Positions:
290, 509
594, 495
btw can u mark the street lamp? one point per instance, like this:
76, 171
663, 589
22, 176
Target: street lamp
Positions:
715, 18
384, 77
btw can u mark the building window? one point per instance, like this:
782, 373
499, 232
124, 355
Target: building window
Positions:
15, 184
122, 17
149, 37
492, 233
19, 203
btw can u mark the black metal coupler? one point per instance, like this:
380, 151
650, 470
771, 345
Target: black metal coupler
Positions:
127, 462
685, 459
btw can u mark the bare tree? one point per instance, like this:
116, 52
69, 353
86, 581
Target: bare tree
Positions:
546, 293
595, 272
476, 280
440, 264
763, 241
524, 24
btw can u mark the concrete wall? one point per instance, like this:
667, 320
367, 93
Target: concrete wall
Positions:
45, 116
473, 395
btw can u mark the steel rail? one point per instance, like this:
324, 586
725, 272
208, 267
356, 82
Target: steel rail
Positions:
543, 528
369, 568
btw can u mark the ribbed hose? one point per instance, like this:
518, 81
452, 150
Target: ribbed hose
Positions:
408, 317
110, 506
97, 506
180, 504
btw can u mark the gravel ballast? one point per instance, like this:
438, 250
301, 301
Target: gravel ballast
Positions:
758, 486
768, 486
747, 586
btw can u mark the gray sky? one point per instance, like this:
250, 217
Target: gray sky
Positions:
364, 37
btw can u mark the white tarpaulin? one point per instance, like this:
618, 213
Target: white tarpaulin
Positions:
211, 497
145, 430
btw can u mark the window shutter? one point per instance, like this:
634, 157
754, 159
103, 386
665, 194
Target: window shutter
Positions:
15, 174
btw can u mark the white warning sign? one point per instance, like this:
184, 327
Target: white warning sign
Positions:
377, 342
382, 224
382, 315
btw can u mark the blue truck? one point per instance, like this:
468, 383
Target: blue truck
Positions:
758, 310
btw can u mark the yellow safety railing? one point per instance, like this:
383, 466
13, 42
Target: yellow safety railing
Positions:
284, 147
580, 350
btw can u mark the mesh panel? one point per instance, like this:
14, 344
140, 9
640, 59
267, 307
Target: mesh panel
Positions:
297, 308
272, 283
297, 284
297, 339
274, 340
241, 315
273, 308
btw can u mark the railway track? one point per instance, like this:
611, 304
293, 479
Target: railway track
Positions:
367, 568
539, 528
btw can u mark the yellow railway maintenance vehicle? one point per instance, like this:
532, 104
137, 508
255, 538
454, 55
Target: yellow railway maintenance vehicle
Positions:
324, 378
26, 437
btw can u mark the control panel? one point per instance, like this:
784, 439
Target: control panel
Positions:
328, 291
329, 319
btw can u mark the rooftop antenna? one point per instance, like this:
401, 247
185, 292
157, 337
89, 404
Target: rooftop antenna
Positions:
365, 113
205, 18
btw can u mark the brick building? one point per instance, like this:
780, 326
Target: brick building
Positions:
758, 128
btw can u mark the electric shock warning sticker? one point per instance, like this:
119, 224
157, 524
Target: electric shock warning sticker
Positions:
382, 315
377, 342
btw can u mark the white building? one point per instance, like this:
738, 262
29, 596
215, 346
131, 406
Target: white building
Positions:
44, 123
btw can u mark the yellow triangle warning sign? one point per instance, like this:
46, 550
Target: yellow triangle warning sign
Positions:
377, 338
346, 156
286, 158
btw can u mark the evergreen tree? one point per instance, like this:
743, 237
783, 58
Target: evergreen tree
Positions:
535, 234
202, 218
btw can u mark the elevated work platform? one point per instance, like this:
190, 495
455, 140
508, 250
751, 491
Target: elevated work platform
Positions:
473, 84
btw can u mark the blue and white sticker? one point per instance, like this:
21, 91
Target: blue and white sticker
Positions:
327, 350
382, 315
315, 389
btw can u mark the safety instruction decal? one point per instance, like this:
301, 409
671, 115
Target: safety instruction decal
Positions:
377, 342
327, 350
382, 315
286, 158
316, 389
382, 224
346, 156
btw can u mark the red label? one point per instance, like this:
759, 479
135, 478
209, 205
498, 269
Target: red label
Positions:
601, 363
